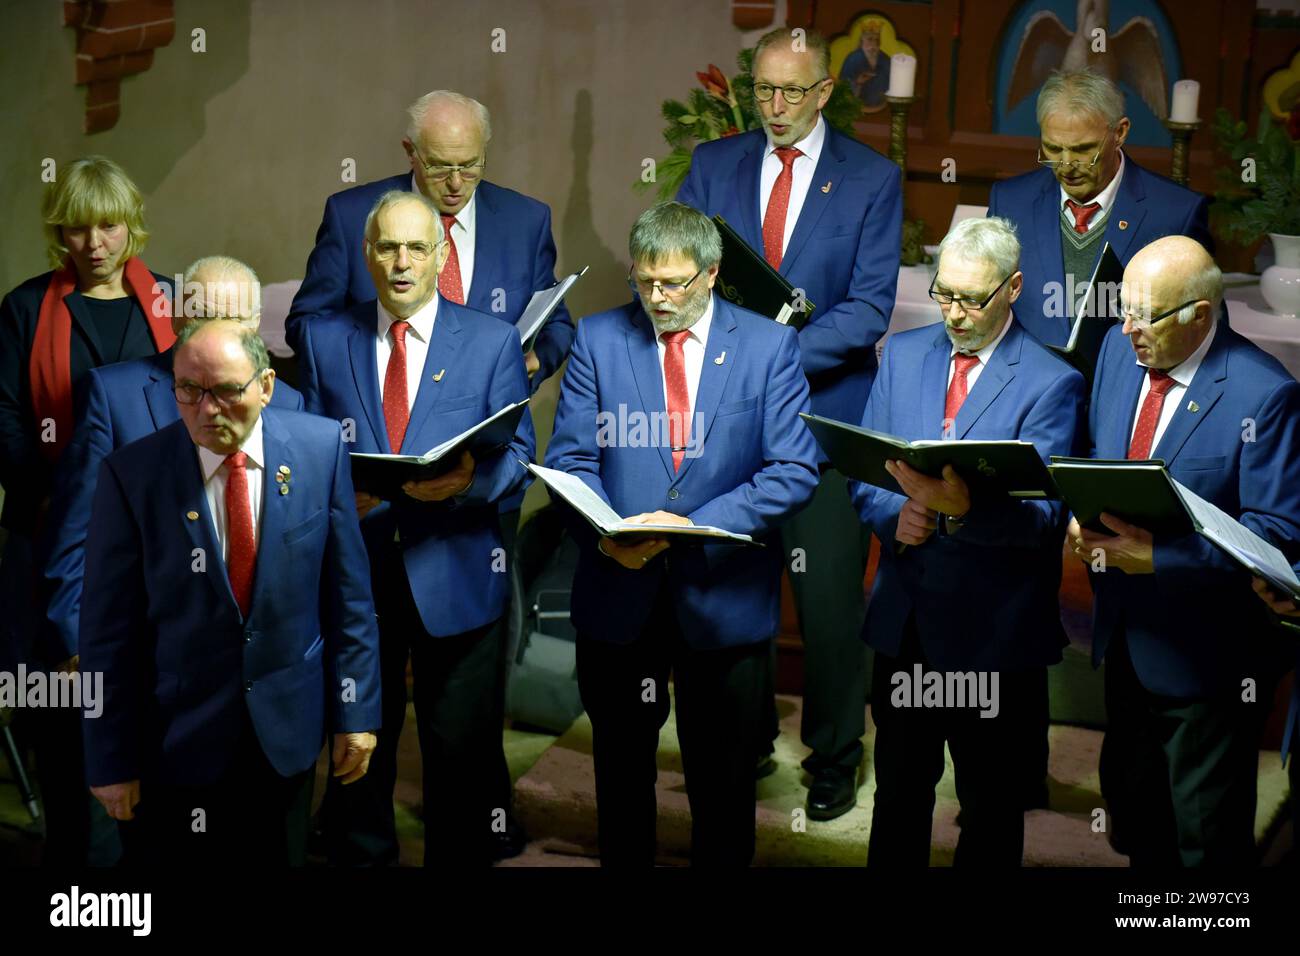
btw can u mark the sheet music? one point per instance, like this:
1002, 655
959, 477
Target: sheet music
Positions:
1231, 535
542, 304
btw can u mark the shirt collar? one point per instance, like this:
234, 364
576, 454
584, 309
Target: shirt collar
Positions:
1185, 371
210, 460
700, 330
985, 353
1106, 198
810, 145
421, 322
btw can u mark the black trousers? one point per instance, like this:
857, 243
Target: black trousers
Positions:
831, 560
78, 830
455, 680
719, 701
1180, 775
909, 763
252, 816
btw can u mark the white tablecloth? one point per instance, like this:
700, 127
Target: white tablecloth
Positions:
1247, 313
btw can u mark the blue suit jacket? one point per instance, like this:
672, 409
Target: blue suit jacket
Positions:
752, 463
119, 404
985, 597
514, 256
1149, 205
843, 252
181, 665
1194, 627
450, 548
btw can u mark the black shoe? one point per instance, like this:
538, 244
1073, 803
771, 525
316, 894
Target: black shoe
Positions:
510, 842
833, 793
765, 767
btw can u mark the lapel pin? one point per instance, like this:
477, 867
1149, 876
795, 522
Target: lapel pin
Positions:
279, 476
284, 470
284, 489
827, 187
720, 359
192, 515
1123, 223
1193, 407
438, 377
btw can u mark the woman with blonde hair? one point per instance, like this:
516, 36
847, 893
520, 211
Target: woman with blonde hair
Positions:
98, 305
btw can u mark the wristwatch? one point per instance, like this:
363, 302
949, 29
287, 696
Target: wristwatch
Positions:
953, 523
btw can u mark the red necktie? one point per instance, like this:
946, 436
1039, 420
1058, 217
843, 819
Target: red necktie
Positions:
679, 397
1082, 214
1149, 415
239, 532
777, 204
397, 410
449, 286
957, 387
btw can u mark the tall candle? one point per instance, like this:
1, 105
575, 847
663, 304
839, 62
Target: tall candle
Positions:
1186, 95
902, 75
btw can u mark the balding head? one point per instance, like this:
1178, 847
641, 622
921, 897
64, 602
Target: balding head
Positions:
1173, 273
447, 129
223, 381
218, 287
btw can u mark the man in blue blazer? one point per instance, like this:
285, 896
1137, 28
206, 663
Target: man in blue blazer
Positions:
826, 211
435, 551
734, 455
227, 605
1190, 657
967, 582
120, 404
502, 249
1087, 193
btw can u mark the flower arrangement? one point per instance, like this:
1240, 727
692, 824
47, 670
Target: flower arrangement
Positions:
720, 107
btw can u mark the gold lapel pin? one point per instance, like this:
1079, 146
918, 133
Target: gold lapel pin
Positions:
284, 489
192, 515
1123, 223
284, 470
438, 377
720, 359
1193, 407
827, 187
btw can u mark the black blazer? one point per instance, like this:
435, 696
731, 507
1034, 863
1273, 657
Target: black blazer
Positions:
25, 473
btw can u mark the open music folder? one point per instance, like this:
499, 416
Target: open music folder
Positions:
384, 475
1095, 312
746, 279
607, 522
542, 306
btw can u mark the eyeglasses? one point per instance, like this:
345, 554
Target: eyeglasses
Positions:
438, 174
1133, 319
763, 92
1059, 163
386, 249
227, 396
669, 289
966, 305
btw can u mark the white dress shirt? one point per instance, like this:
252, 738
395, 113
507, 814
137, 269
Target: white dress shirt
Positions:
693, 347
417, 347
464, 231
215, 476
1182, 374
1105, 199
801, 174
984, 354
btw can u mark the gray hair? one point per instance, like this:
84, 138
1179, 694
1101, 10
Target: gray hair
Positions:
1081, 92
1207, 284
220, 271
813, 42
395, 196
251, 342
418, 110
992, 240
669, 228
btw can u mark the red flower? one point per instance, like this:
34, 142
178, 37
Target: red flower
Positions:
715, 83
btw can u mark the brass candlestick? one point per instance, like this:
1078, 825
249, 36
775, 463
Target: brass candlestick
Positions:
1182, 133
898, 108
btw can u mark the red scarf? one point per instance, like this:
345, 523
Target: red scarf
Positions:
51, 360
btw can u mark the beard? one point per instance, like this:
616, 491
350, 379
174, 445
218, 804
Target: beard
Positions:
683, 314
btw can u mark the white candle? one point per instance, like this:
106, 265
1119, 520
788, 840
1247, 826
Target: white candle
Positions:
1186, 95
902, 75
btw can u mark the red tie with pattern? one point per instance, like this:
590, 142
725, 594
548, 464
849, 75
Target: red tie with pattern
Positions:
1082, 214
957, 387
449, 286
1149, 415
397, 410
239, 532
679, 397
777, 204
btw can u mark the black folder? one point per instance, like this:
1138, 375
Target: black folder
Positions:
384, 475
747, 279
1096, 311
1008, 467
